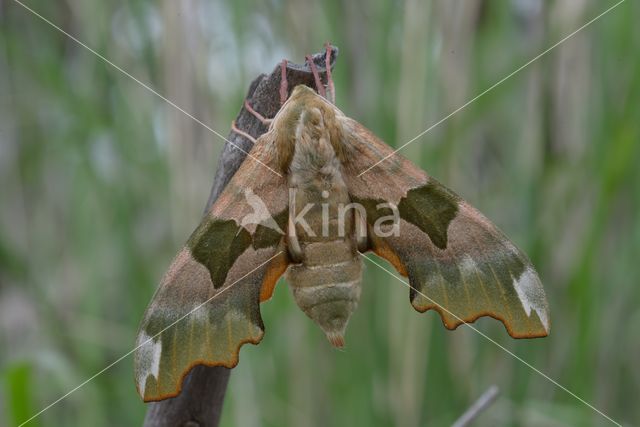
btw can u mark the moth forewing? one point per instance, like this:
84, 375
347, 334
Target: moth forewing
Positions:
457, 261
207, 304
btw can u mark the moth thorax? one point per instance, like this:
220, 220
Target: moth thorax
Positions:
327, 286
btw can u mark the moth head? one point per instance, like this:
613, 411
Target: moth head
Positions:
306, 115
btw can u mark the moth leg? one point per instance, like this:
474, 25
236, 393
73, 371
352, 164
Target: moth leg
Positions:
284, 85
327, 65
295, 251
265, 121
241, 132
314, 70
361, 231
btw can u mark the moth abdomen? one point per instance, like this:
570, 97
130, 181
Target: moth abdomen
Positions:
328, 294
325, 280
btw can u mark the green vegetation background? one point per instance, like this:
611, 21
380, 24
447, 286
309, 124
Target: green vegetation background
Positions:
101, 182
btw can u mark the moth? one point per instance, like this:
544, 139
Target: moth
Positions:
301, 206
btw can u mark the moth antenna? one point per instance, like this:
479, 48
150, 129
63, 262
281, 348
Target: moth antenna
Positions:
241, 132
314, 70
265, 121
284, 85
327, 65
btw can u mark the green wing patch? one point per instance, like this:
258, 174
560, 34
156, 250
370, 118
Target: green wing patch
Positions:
217, 244
431, 208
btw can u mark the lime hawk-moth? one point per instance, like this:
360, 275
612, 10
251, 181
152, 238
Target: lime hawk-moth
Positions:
299, 205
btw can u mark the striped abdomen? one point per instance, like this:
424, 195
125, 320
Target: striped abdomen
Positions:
326, 274
326, 286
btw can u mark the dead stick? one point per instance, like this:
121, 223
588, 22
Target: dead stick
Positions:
483, 402
200, 402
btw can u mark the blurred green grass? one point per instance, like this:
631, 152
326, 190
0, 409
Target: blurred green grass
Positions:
101, 182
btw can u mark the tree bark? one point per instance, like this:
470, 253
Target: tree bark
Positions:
203, 390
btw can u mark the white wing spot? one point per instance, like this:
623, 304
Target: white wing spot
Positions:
149, 357
529, 291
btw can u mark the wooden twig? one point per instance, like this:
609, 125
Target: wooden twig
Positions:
200, 402
483, 402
